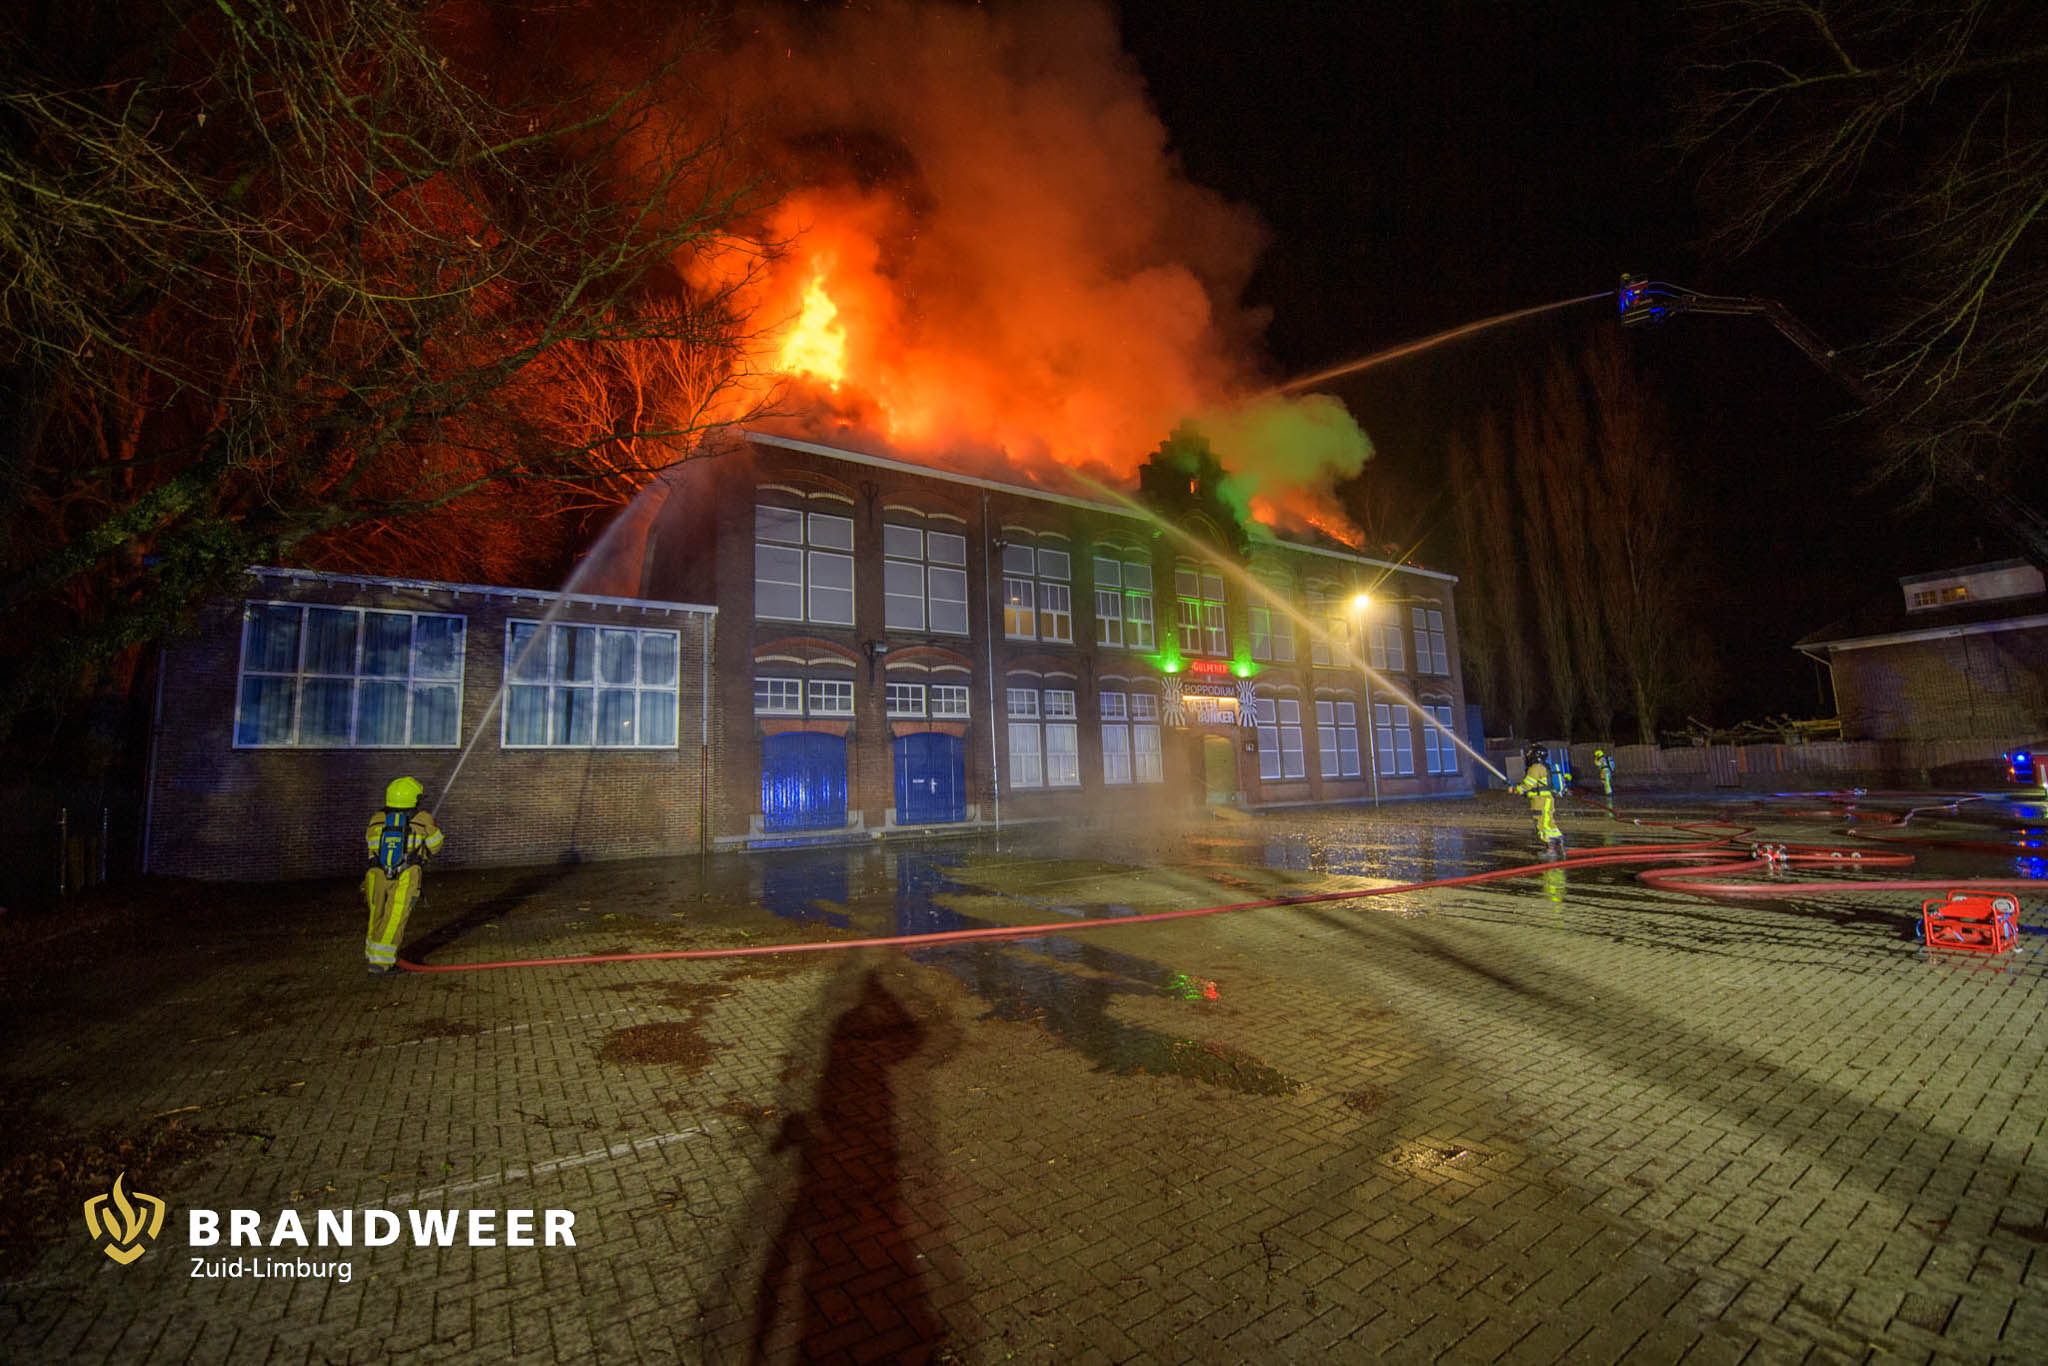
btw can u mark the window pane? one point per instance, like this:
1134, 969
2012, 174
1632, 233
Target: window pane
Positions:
387, 644
657, 719
1059, 702
380, 713
1025, 769
1112, 704
1062, 756
1137, 576
325, 704
1054, 564
1019, 558
575, 654
1147, 764
330, 641
573, 716
437, 647
948, 600
526, 716
1018, 618
617, 654
943, 547
529, 650
778, 582
658, 659
436, 714
1055, 611
829, 697
831, 588
616, 711
903, 595
1144, 706
1023, 702
778, 524
902, 542
833, 533
265, 714
1108, 573
270, 639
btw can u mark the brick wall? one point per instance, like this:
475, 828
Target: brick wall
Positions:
215, 811
1990, 684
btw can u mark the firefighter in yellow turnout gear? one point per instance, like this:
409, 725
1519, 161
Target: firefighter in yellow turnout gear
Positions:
1535, 785
1604, 761
401, 838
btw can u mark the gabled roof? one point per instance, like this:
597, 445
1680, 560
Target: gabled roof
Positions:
1885, 621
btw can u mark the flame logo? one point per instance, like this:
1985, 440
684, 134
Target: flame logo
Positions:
127, 1224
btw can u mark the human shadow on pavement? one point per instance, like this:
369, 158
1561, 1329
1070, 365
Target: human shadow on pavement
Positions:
845, 1268
419, 948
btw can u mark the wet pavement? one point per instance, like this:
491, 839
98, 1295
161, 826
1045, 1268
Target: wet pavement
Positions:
1565, 1117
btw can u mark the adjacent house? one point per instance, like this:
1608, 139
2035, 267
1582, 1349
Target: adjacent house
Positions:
1960, 654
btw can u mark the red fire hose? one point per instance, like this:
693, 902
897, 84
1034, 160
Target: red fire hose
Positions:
1763, 858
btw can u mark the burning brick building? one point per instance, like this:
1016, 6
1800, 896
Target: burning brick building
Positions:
901, 648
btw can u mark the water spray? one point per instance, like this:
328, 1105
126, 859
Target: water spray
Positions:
1276, 601
1424, 343
596, 554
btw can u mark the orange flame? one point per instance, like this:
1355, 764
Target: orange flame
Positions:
816, 343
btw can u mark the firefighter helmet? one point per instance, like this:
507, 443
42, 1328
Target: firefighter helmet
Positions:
403, 794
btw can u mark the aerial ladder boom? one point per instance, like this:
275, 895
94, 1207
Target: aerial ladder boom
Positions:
1648, 301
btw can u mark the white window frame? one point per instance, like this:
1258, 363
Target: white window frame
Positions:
299, 678
903, 700
1279, 738
783, 696
1439, 751
824, 554
934, 578
828, 696
1202, 600
1394, 739
1337, 738
949, 701
1432, 652
552, 681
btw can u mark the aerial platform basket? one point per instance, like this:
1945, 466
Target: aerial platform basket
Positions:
1972, 922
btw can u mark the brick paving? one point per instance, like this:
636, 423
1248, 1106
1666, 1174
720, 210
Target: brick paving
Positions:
1560, 1119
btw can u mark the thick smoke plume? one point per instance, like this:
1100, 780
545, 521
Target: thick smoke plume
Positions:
991, 255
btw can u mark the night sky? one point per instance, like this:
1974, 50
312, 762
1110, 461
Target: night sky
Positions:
1423, 166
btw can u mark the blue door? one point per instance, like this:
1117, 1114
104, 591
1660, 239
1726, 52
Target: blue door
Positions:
931, 779
803, 782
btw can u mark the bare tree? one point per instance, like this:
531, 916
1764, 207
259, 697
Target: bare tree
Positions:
1492, 605
1634, 527
1916, 129
281, 278
1536, 472
1568, 507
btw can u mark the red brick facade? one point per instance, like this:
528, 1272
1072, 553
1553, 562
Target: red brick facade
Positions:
259, 811
1990, 684
703, 547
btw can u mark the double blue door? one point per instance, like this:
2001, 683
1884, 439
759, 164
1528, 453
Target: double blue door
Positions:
803, 782
931, 779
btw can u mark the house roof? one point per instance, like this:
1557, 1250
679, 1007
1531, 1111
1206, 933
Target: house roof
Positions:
1886, 621
1131, 510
